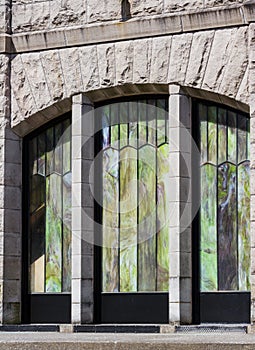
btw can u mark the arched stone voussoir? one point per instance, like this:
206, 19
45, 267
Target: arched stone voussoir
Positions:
215, 61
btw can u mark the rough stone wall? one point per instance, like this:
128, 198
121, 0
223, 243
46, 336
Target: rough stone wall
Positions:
33, 15
215, 61
10, 206
10, 194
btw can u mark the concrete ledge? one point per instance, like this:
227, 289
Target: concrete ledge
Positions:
134, 28
57, 341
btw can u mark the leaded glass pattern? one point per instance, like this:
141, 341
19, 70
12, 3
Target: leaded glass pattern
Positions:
135, 253
225, 199
50, 180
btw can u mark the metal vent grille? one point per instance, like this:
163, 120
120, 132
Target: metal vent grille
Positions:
211, 329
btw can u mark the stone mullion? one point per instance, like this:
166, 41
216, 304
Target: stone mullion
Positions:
180, 283
82, 210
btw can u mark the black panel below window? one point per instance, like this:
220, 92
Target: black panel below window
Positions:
226, 307
50, 308
134, 308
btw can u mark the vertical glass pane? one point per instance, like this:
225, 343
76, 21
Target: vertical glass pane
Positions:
128, 220
53, 239
49, 150
244, 225
33, 155
248, 139
212, 135
208, 228
232, 137
203, 132
142, 111
242, 138
58, 149
151, 116
67, 232
162, 219
133, 124
66, 147
106, 125
41, 154
222, 135
110, 257
147, 219
37, 229
227, 233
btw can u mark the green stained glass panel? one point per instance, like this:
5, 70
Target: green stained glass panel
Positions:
242, 138
203, 132
212, 134
208, 228
244, 225
161, 122
67, 230
123, 135
162, 219
227, 233
232, 137
222, 135
128, 220
53, 235
147, 219
37, 227
110, 255
142, 117
151, 116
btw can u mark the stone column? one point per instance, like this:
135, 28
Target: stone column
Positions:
82, 210
252, 159
180, 284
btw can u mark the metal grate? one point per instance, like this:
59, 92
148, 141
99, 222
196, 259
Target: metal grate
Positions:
211, 329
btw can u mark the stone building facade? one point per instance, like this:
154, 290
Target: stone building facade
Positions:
62, 56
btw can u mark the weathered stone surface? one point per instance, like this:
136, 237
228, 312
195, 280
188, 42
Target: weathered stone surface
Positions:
219, 56
99, 10
142, 61
124, 55
89, 67
200, 50
53, 72
160, 59
145, 7
106, 64
182, 5
237, 64
67, 13
36, 77
31, 16
21, 92
179, 58
71, 68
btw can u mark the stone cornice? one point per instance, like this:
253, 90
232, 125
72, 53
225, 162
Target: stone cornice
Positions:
132, 29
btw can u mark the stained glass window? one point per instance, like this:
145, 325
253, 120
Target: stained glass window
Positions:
135, 167
50, 210
225, 199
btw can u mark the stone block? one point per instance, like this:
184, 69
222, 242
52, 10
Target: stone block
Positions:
179, 58
160, 59
124, 54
